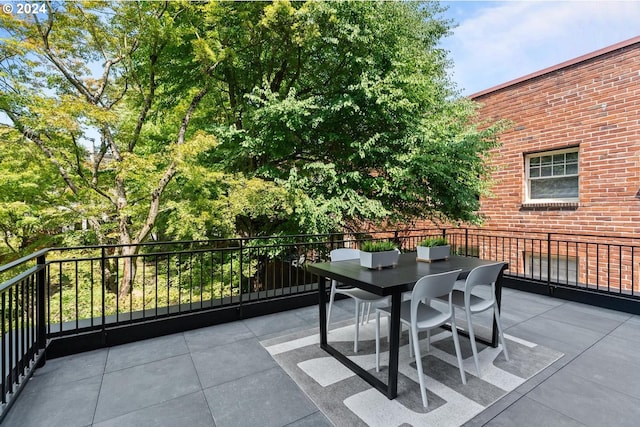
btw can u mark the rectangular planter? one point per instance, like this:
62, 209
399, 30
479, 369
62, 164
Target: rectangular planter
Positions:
379, 259
434, 253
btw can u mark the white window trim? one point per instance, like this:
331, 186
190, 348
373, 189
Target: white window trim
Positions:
527, 180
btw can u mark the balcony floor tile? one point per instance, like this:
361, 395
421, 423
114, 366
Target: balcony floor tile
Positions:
214, 336
612, 363
72, 368
66, 404
141, 352
229, 362
586, 401
629, 330
145, 385
190, 410
596, 319
267, 399
528, 412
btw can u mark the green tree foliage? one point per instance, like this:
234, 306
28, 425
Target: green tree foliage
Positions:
348, 104
117, 70
33, 200
239, 118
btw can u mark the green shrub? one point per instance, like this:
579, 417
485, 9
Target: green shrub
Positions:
433, 241
382, 246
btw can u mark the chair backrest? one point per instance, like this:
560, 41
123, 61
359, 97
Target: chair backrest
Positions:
483, 275
343, 254
431, 287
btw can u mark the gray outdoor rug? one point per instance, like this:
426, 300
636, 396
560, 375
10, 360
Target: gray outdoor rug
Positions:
347, 400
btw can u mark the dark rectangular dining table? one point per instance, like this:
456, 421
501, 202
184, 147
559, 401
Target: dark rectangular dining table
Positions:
391, 281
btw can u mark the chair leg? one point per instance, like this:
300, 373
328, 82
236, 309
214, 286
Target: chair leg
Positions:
496, 314
456, 343
377, 341
410, 341
331, 298
368, 314
416, 349
357, 324
389, 329
474, 347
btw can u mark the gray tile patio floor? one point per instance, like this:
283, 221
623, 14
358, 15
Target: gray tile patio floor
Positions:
221, 376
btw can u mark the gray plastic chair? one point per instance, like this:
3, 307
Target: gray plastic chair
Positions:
484, 276
419, 315
360, 297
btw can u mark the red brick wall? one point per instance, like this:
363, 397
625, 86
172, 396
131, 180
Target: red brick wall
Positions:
594, 104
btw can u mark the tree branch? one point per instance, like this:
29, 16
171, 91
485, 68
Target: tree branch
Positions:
148, 99
154, 205
35, 137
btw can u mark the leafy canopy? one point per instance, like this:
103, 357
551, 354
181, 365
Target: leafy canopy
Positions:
237, 118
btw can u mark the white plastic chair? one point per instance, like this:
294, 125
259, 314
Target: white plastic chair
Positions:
360, 296
419, 315
485, 277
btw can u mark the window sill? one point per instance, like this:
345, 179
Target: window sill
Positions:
550, 206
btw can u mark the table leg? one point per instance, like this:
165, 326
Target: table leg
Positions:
390, 389
322, 306
494, 333
394, 346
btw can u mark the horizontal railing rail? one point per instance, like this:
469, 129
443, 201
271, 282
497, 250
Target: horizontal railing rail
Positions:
61, 293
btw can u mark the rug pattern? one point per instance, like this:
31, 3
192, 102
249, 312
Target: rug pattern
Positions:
347, 400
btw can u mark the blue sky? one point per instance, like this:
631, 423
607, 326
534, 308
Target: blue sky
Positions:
498, 41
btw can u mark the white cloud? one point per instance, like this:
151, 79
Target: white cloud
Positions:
502, 41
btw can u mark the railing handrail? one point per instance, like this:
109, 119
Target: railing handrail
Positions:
16, 279
217, 239
551, 233
24, 259
442, 230
329, 235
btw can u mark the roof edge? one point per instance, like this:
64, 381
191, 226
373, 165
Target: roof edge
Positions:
574, 61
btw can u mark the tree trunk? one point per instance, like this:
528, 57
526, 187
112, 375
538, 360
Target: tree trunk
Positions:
128, 270
110, 282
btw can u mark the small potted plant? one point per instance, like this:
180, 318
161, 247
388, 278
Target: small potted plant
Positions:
433, 249
379, 254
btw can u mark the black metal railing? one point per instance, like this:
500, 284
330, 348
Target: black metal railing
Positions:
172, 278
606, 264
23, 329
66, 293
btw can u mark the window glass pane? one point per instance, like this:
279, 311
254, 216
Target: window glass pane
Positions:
546, 171
558, 159
558, 170
555, 188
572, 157
533, 173
534, 161
546, 160
572, 168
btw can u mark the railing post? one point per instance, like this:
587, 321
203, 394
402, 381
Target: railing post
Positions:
41, 306
549, 264
240, 261
466, 241
103, 285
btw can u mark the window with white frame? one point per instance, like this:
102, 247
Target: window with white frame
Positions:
552, 176
564, 268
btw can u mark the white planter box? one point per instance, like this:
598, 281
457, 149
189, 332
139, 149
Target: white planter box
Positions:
379, 259
434, 253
